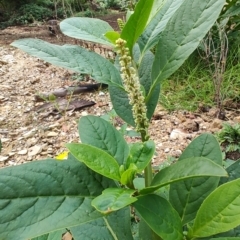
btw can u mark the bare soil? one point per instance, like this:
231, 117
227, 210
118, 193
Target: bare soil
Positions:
29, 135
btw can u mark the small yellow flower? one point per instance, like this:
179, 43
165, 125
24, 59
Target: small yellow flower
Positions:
62, 156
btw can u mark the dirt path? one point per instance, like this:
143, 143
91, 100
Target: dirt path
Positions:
28, 135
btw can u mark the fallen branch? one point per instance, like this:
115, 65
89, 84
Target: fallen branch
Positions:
71, 90
61, 105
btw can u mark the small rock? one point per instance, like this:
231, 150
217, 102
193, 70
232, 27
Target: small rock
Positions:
191, 126
50, 150
3, 140
217, 123
54, 125
167, 150
178, 134
30, 142
11, 154
33, 151
84, 113
177, 153
35, 80
3, 158
44, 153
52, 134
236, 119
12, 163
30, 133
23, 152
101, 94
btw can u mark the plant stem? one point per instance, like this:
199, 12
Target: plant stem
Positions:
148, 175
148, 170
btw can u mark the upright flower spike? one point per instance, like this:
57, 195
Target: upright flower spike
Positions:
133, 88
121, 24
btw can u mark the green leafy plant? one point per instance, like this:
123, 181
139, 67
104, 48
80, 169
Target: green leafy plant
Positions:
29, 13
229, 137
93, 192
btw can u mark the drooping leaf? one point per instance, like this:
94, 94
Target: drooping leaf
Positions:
97, 132
96, 159
217, 213
151, 35
160, 216
181, 170
128, 176
71, 57
120, 101
233, 172
182, 35
144, 73
113, 199
141, 154
137, 22
187, 196
88, 29
51, 236
113, 226
43, 196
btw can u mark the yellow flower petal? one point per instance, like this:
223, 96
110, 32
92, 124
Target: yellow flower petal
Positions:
62, 156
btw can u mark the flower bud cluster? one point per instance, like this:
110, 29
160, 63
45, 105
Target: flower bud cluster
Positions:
121, 23
132, 87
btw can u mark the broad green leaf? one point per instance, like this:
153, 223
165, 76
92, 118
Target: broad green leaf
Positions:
160, 216
120, 101
51, 236
111, 227
145, 231
44, 196
88, 29
157, 5
182, 35
96, 159
139, 183
151, 35
233, 172
144, 73
137, 22
187, 196
141, 154
205, 145
181, 170
235, 232
127, 176
99, 133
74, 58
113, 199
219, 212
112, 36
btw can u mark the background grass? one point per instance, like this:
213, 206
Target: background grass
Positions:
192, 85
